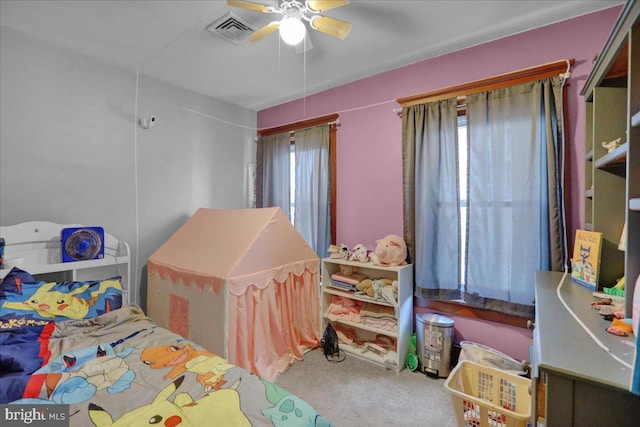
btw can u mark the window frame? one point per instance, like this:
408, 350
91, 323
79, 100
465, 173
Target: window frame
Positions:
331, 120
460, 91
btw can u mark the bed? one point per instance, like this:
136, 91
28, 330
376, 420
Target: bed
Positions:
78, 343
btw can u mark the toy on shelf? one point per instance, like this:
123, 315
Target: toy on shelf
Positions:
339, 252
617, 290
391, 250
620, 325
382, 289
612, 145
359, 253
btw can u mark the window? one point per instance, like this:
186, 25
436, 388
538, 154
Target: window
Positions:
294, 169
482, 213
462, 185
292, 183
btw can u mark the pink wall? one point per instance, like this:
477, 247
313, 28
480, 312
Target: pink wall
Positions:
369, 175
508, 339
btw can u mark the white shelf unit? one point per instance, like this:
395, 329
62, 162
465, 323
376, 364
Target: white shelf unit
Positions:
366, 333
38, 244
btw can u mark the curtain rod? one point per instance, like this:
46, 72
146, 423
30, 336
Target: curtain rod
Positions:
331, 119
334, 123
560, 68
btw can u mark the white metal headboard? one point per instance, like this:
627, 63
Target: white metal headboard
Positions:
38, 244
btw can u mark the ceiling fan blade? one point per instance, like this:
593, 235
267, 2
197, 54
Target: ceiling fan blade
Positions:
264, 31
331, 26
322, 5
250, 5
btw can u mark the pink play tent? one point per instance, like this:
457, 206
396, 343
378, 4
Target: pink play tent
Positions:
242, 283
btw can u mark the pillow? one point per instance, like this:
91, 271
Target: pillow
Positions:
60, 301
14, 280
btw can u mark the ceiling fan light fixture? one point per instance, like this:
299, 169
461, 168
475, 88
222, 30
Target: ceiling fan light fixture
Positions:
292, 30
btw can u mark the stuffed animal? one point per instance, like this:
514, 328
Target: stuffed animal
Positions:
391, 250
339, 252
368, 288
374, 258
359, 253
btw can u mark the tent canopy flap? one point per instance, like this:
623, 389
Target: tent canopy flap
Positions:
239, 247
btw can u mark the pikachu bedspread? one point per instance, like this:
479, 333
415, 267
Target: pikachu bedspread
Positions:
119, 368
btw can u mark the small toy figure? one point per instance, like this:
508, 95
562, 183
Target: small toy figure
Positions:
612, 145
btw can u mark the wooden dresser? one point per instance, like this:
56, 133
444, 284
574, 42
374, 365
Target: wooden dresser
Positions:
575, 382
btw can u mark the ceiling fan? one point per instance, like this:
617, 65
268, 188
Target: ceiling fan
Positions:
294, 12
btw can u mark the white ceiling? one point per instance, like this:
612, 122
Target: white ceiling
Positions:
166, 39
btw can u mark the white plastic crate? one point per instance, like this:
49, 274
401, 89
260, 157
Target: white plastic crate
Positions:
487, 397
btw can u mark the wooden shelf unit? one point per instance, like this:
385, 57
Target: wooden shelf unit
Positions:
615, 158
612, 179
366, 333
635, 120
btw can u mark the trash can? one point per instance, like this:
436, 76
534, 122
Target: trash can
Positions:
434, 341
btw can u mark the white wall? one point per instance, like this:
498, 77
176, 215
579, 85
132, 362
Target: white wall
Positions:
71, 150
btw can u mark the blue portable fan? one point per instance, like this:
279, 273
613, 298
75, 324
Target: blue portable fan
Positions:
82, 243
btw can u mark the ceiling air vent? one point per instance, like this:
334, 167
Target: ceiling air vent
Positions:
231, 27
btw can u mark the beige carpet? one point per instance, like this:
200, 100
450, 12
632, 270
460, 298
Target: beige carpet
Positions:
357, 393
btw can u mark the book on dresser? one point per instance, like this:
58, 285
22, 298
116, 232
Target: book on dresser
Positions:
585, 263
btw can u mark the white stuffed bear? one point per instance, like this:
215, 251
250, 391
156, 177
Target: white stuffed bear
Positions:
359, 253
